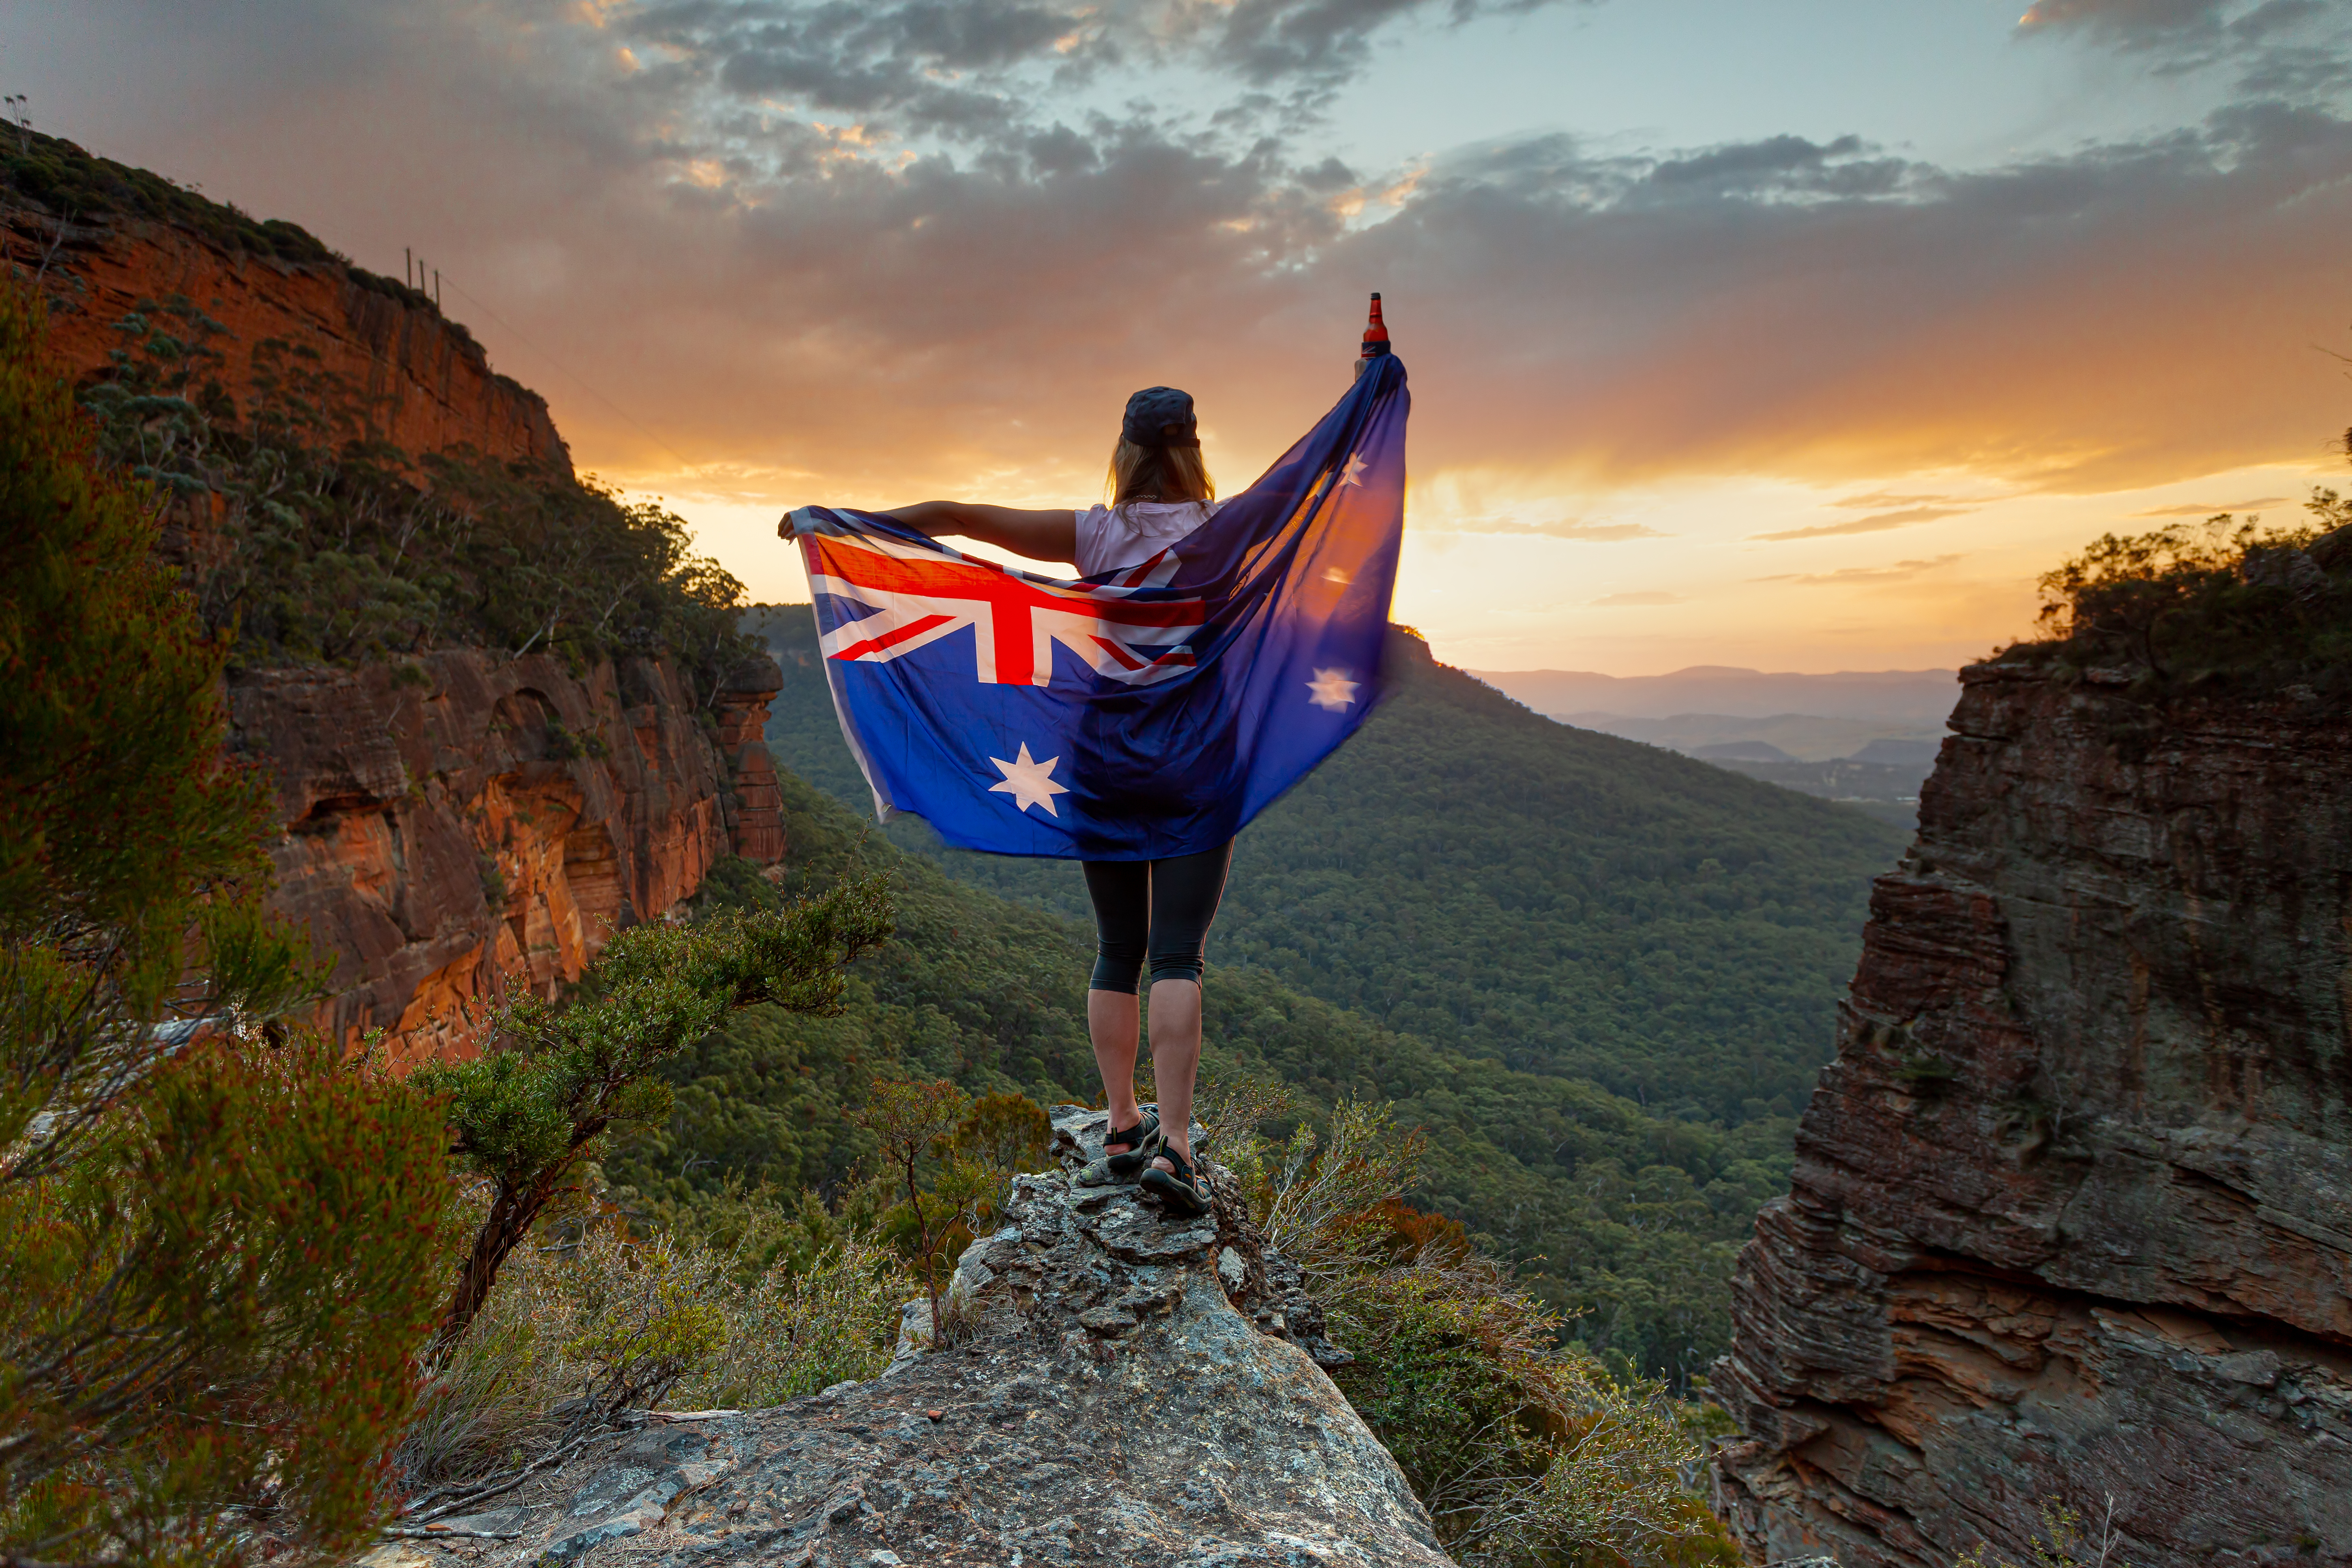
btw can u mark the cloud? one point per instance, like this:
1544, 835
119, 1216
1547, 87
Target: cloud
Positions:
1900, 571
1873, 500
1561, 528
2204, 511
1786, 166
893, 249
1993, 319
1629, 601
2289, 50
1877, 522
1599, 533
2126, 21
967, 67
1272, 41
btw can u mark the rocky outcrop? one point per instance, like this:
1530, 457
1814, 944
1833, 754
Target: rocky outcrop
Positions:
1115, 1391
464, 828
2072, 1212
412, 377
459, 826
754, 800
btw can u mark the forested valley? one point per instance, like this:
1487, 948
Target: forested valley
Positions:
1601, 975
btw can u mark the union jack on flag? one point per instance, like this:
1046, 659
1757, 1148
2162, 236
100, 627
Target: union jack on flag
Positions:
918, 593
1137, 714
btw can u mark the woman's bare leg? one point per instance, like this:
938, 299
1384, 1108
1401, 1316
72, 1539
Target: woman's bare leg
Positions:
1175, 1058
1111, 1025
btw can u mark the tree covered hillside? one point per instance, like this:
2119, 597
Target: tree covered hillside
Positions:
1631, 1218
1557, 900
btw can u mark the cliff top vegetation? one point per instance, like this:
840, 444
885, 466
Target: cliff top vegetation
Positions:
2222, 605
306, 539
67, 184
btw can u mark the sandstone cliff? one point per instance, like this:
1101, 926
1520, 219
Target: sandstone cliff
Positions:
1121, 1390
103, 238
460, 826
466, 826
2072, 1214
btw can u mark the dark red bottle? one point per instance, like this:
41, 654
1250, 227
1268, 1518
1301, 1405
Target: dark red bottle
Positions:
1376, 335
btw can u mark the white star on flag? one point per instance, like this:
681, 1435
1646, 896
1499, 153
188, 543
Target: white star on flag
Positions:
1331, 690
1030, 782
1355, 466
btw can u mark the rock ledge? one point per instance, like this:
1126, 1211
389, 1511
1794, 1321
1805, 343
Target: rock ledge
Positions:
1119, 1387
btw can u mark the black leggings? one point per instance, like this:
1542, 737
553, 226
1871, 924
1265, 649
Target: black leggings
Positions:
1155, 909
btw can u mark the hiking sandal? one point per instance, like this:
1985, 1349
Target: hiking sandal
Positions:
1144, 1137
1184, 1191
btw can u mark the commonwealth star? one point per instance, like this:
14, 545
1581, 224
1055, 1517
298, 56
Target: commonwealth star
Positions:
1331, 690
1029, 782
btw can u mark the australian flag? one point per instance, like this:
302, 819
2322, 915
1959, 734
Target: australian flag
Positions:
1137, 714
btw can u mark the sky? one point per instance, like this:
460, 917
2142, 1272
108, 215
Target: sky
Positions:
1796, 334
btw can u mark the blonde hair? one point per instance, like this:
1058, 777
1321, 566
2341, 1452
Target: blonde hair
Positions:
1157, 473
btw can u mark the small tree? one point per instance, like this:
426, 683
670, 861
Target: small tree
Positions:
1003, 1134
969, 1149
122, 824
560, 1079
912, 1121
212, 1232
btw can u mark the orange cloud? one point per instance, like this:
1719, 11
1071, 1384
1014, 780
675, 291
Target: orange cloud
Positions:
1877, 522
959, 298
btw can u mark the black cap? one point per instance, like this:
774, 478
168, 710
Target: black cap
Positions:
1160, 416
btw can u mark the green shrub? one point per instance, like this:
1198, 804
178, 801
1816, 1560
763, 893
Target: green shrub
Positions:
2066, 1539
71, 184
571, 1332
309, 537
1525, 1449
559, 1078
946, 1161
214, 1311
220, 1242
2225, 603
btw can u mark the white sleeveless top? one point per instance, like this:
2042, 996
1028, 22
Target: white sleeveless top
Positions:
1134, 533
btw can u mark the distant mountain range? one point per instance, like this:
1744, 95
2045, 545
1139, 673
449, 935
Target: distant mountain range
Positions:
1907, 700
1864, 737
1777, 736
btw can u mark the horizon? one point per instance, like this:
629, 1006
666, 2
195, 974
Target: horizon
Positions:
1717, 669
1799, 341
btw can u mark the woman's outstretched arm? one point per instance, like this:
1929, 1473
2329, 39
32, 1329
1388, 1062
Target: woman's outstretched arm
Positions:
1040, 535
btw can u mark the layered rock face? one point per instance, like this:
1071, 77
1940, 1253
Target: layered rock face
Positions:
2072, 1214
483, 831
1119, 1390
421, 383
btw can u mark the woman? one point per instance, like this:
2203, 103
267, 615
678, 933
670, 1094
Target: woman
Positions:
1153, 913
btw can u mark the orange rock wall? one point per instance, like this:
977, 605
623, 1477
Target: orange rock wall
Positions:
484, 833
424, 383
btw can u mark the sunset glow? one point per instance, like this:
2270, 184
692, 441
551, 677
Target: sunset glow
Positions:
1802, 336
